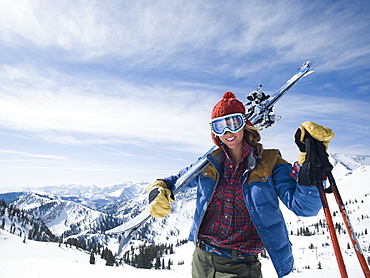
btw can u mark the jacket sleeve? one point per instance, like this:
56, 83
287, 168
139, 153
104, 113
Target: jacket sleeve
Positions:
302, 200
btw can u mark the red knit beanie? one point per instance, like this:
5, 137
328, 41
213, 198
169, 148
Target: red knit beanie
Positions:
229, 104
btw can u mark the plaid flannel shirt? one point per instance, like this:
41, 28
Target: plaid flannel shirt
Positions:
227, 223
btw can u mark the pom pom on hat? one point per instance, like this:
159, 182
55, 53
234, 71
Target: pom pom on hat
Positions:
229, 104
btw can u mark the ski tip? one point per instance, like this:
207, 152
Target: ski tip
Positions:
309, 72
305, 66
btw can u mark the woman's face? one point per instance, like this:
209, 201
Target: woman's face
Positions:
233, 140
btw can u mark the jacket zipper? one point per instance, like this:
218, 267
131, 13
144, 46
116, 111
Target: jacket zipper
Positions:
214, 189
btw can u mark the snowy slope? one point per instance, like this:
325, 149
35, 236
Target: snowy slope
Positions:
40, 259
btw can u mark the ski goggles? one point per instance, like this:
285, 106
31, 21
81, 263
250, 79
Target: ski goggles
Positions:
232, 122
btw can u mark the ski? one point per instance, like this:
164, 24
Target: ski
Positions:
259, 111
128, 229
260, 107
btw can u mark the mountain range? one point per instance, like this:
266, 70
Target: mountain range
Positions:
87, 212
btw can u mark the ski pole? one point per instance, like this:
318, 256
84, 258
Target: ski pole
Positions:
326, 167
349, 226
329, 220
333, 235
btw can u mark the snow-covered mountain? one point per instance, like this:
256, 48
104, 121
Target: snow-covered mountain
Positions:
120, 192
90, 196
79, 212
96, 197
63, 217
344, 164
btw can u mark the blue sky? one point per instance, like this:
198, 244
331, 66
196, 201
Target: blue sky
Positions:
103, 92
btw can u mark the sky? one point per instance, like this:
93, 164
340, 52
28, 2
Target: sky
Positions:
104, 92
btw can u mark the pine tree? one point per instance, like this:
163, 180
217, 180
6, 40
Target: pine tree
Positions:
307, 232
110, 258
92, 258
104, 254
158, 263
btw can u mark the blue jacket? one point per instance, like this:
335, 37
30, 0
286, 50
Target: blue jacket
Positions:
264, 184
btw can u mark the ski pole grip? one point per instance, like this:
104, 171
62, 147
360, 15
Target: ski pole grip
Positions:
323, 156
297, 140
307, 173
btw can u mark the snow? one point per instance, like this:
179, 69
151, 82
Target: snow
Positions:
41, 259
55, 225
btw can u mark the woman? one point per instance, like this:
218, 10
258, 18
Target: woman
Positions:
237, 213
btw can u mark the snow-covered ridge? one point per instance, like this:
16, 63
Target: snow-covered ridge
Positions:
345, 164
60, 216
351, 160
120, 191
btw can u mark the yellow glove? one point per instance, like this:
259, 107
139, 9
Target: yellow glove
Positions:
159, 199
318, 132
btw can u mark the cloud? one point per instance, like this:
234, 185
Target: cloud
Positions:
324, 108
138, 79
77, 115
65, 43
32, 155
192, 34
